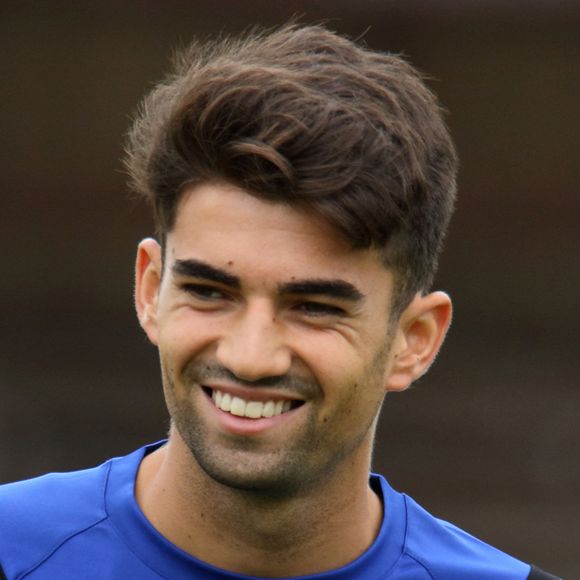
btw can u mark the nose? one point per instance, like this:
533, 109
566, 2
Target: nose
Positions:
253, 346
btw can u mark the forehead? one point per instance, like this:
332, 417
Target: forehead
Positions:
227, 203
232, 229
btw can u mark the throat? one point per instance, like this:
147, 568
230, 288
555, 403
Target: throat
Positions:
252, 534
298, 537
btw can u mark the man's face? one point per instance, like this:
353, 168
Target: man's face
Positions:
274, 340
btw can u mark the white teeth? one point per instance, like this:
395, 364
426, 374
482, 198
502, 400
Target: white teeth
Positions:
226, 403
254, 409
249, 409
268, 410
238, 407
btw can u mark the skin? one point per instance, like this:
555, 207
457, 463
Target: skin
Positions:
267, 302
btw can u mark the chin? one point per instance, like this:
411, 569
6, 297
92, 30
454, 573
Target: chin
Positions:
250, 472
264, 485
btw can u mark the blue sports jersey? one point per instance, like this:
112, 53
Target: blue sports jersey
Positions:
87, 525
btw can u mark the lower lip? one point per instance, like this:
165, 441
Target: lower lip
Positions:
247, 427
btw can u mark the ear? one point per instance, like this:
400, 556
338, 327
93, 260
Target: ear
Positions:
420, 333
148, 267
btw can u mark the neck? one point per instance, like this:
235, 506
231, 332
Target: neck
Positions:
248, 533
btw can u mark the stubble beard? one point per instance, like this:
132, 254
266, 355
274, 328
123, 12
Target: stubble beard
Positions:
243, 464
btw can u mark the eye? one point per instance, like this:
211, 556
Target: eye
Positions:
319, 309
204, 292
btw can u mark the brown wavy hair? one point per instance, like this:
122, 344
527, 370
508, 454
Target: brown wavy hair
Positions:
303, 116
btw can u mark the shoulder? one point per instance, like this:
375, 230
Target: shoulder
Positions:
38, 515
448, 552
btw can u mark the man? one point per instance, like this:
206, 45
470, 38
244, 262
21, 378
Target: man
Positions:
302, 186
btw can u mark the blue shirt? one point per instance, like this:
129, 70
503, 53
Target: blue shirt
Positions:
87, 525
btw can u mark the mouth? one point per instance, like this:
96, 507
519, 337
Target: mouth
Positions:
249, 408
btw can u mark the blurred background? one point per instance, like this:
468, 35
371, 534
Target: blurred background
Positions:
490, 438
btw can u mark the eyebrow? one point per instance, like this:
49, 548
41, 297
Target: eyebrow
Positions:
313, 286
323, 287
198, 269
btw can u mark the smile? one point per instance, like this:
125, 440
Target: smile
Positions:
249, 409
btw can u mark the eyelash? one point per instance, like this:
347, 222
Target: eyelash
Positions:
203, 292
310, 309
319, 309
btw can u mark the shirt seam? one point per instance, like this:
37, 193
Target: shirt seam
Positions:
406, 550
420, 563
121, 537
55, 549
130, 548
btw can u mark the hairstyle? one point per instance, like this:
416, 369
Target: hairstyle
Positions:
306, 117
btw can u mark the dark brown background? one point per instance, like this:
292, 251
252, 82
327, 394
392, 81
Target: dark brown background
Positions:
490, 439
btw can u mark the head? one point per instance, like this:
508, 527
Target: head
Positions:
337, 161
309, 119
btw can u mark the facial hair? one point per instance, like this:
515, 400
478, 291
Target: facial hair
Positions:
244, 463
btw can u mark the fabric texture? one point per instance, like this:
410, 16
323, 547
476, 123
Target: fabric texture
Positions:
87, 525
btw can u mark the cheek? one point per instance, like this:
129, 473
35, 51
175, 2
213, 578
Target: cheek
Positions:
349, 382
335, 360
182, 334
358, 385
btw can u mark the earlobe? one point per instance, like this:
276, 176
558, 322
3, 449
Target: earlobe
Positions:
420, 334
148, 266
